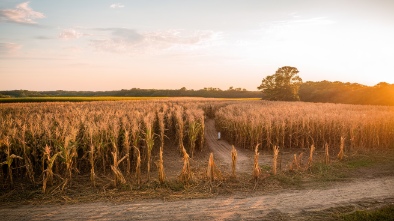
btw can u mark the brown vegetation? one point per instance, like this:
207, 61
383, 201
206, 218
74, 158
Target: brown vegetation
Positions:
114, 142
275, 160
299, 125
233, 161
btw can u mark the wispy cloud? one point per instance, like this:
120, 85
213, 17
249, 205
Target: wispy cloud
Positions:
21, 14
9, 48
68, 34
131, 42
116, 5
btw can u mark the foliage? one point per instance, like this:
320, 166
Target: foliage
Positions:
348, 93
323, 91
282, 86
36, 96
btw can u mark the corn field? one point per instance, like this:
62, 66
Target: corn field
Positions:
53, 142
299, 125
50, 144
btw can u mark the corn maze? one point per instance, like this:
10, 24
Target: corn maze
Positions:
50, 144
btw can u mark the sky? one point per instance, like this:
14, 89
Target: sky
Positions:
96, 45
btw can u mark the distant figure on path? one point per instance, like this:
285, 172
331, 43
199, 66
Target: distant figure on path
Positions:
218, 135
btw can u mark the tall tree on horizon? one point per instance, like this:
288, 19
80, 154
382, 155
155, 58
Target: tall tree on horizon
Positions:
282, 86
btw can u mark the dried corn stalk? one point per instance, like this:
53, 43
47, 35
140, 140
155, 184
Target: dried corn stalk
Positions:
233, 161
275, 160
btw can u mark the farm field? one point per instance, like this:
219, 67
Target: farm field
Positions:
153, 155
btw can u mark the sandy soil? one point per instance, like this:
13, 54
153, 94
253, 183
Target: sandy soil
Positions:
289, 205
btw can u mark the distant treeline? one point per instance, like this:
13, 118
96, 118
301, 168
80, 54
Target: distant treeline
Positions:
347, 93
137, 92
323, 91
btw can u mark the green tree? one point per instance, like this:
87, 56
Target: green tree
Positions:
282, 86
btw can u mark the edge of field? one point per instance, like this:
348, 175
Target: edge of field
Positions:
101, 98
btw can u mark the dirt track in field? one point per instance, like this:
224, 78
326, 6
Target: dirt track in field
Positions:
288, 205
222, 151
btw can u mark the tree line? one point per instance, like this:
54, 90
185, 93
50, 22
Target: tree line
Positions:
208, 92
347, 93
286, 85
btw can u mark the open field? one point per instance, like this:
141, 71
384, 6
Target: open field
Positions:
142, 152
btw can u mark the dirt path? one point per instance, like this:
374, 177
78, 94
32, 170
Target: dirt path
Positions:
222, 151
289, 205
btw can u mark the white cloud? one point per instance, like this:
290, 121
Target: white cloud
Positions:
116, 5
21, 14
9, 48
68, 34
131, 42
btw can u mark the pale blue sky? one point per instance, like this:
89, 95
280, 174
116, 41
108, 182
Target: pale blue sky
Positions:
112, 45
